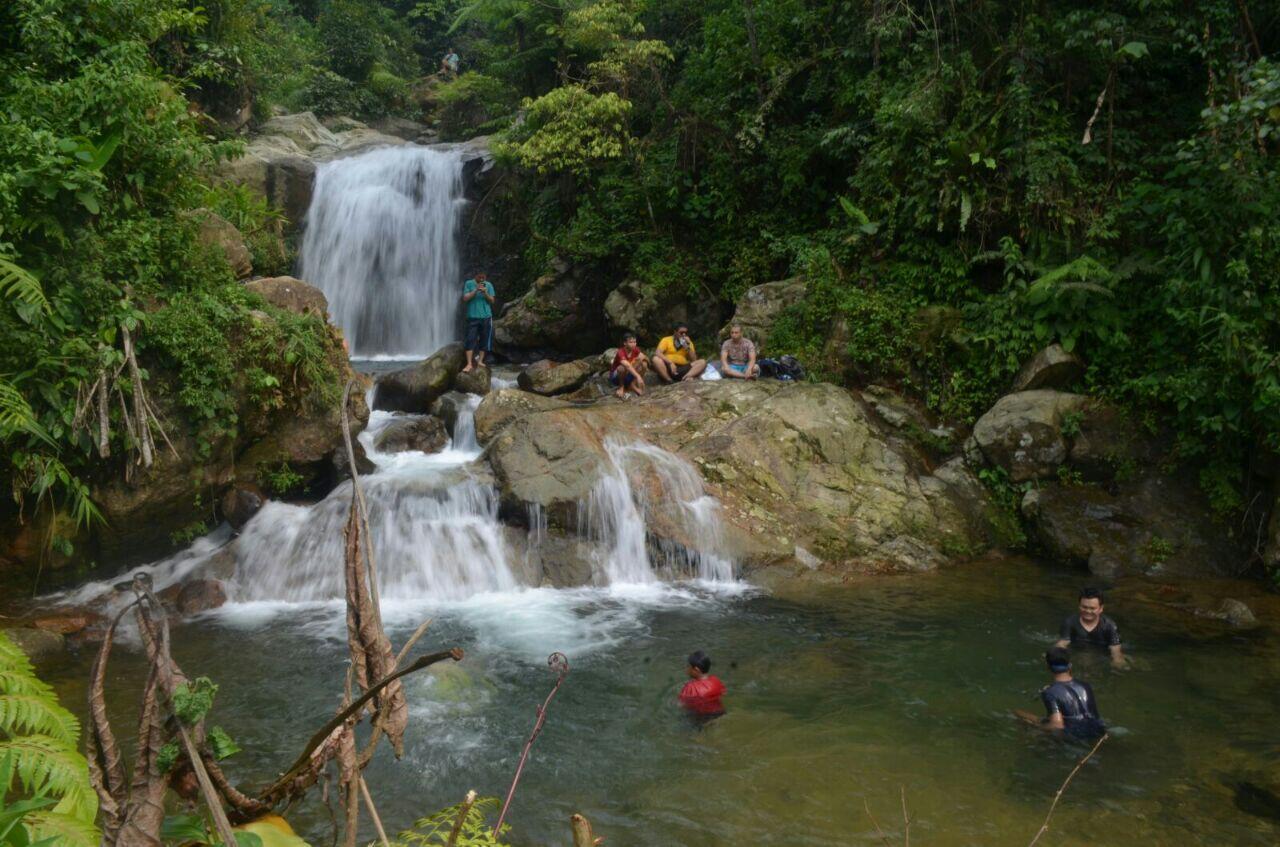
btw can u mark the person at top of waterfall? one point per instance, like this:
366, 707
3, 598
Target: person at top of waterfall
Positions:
1089, 627
449, 64
701, 694
477, 293
1069, 704
627, 371
676, 358
738, 356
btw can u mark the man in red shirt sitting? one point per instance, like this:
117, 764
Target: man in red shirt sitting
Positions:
627, 371
701, 694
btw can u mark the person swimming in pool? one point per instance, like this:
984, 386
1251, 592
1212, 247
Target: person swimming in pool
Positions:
701, 694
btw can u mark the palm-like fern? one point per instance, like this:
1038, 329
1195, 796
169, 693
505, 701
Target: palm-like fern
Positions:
21, 285
38, 738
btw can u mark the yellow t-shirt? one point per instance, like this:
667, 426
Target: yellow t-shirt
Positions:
667, 349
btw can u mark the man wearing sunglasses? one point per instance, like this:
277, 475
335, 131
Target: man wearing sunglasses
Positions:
676, 358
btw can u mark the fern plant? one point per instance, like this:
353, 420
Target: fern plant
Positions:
437, 829
38, 748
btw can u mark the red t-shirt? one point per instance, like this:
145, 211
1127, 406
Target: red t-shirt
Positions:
623, 356
703, 695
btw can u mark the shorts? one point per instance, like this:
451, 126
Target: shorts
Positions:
736, 368
479, 335
681, 370
623, 378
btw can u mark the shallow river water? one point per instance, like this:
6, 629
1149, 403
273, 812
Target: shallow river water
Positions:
840, 701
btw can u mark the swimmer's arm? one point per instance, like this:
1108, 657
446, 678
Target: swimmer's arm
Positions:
1054, 721
1062, 642
1117, 656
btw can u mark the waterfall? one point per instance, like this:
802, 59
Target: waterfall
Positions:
381, 243
647, 486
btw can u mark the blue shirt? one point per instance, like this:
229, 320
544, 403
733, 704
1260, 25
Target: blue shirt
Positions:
478, 308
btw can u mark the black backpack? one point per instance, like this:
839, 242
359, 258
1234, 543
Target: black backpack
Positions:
786, 368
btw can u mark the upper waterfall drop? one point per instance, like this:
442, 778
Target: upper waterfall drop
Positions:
381, 242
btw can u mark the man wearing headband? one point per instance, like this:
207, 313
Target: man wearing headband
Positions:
1069, 703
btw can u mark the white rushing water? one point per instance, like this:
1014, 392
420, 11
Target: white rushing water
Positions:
381, 243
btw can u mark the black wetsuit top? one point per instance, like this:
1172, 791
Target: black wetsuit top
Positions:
1075, 701
1105, 634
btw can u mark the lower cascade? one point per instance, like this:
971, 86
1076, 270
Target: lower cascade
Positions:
437, 534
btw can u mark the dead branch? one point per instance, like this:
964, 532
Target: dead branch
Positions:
276, 790
1097, 109
582, 834
559, 665
106, 765
145, 445
883, 838
463, 811
373, 811
1044, 827
906, 819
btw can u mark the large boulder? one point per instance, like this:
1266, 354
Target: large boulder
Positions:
199, 595
561, 312
303, 129
240, 503
290, 294
40, 645
415, 388
1052, 367
803, 471
505, 405
217, 232
423, 433
549, 379
447, 407
1155, 525
652, 312
342, 463
1023, 432
761, 306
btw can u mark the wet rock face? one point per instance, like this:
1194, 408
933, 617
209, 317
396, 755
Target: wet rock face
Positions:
800, 466
415, 388
761, 306
561, 311
426, 434
476, 381
506, 405
240, 503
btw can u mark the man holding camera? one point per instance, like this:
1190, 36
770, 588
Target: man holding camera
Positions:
676, 359
478, 295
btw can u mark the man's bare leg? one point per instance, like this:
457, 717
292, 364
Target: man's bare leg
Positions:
467, 369
695, 370
660, 366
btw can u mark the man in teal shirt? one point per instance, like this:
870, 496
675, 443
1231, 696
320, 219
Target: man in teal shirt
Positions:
477, 293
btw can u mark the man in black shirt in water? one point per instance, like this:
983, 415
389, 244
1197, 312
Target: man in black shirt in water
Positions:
1090, 628
1069, 703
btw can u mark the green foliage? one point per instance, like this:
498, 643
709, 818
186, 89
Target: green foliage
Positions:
569, 130
436, 829
474, 103
280, 480
192, 700
221, 744
39, 762
193, 829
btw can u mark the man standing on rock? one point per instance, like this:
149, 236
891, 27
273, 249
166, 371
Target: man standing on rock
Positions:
738, 356
1090, 628
676, 359
477, 293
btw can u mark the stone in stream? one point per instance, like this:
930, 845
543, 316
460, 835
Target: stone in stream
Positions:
476, 381
199, 595
447, 407
240, 503
414, 389
341, 464
424, 433
40, 645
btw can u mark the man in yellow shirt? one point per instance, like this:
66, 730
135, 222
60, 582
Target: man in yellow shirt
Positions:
676, 359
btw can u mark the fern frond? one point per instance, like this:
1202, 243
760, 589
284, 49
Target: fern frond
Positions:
80, 803
37, 714
16, 414
45, 764
20, 682
65, 830
11, 656
19, 284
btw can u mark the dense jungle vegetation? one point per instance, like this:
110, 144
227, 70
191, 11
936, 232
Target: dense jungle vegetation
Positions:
960, 184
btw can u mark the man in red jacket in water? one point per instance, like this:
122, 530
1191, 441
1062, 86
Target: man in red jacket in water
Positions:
701, 694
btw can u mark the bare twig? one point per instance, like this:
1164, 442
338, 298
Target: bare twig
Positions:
906, 819
1097, 110
583, 836
413, 639
463, 811
559, 664
1044, 827
373, 811
883, 838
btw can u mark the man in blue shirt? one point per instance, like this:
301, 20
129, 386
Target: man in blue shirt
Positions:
477, 293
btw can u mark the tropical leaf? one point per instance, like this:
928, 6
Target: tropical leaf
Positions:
34, 714
16, 414
21, 285
63, 830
